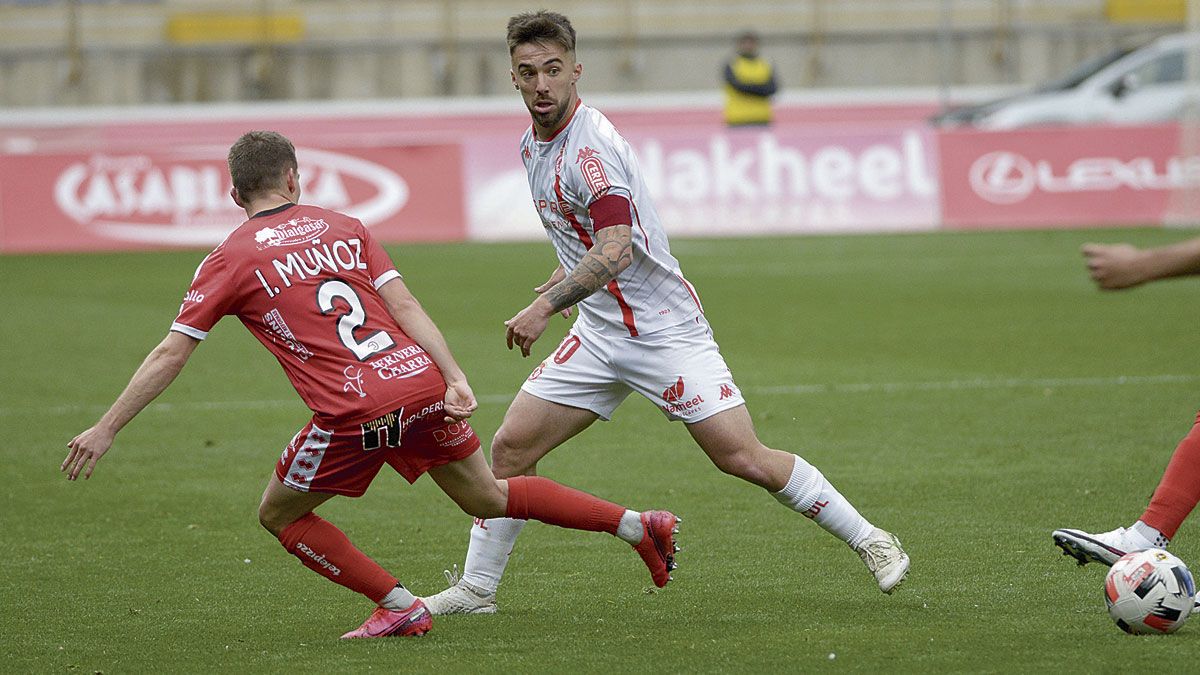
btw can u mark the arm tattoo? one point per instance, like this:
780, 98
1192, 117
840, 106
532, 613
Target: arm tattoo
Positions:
612, 252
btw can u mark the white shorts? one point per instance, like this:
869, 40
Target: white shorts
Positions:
680, 369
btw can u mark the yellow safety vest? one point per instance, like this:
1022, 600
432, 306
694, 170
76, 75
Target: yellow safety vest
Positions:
747, 108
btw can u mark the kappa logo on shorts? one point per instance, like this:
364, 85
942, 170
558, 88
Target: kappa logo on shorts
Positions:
726, 392
674, 392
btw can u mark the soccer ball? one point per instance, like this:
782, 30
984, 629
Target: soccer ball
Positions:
1149, 591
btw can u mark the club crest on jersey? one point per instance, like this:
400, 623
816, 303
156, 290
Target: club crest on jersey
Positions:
293, 232
354, 381
558, 161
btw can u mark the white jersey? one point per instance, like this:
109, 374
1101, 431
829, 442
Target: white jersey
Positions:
587, 159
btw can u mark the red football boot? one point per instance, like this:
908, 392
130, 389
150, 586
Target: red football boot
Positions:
657, 546
414, 621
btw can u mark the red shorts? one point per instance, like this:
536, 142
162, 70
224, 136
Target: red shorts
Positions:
344, 461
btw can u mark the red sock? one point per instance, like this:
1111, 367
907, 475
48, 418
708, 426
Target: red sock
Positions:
326, 550
1179, 489
543, 499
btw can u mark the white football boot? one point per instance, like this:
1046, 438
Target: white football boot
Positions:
885, 558
1106, 547
460, 598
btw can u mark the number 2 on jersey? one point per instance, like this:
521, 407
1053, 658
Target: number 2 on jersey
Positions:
352, 321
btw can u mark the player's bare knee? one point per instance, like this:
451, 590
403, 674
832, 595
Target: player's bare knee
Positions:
508, 457
745, 463
270, 520
487, 503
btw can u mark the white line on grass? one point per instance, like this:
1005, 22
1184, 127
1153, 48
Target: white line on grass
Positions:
797, 389
947, 385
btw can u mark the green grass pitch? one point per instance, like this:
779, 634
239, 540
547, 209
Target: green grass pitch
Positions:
968, 391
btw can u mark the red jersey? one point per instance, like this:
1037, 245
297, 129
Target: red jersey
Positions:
304, 281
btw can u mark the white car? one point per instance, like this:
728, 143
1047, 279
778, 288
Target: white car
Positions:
1126, 86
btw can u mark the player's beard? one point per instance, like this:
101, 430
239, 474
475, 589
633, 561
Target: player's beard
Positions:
551, 119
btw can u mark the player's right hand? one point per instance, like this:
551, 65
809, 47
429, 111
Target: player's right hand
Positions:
558, 275
86, 449
459, 402
1114, 266
528, 325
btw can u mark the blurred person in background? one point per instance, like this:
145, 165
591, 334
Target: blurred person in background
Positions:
749, 85
1116, 267
641, 328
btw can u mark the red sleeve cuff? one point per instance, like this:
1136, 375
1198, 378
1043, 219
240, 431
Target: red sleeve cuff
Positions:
610, 210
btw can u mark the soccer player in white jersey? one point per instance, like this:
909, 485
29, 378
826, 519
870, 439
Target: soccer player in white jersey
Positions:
640, 327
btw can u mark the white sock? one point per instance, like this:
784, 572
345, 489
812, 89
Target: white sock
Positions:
1153, 536
398, 600
808, 493
492, 541
631, 529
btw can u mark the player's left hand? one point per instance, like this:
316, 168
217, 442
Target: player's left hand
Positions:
86, 449
528, 325
459, 403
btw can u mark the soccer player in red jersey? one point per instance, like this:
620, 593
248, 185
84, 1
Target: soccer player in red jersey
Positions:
1116, 267
640, 328
316, 289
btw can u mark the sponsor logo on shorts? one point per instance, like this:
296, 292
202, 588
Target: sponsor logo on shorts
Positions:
384, 431
674, 392
194, 296
684, 408
727, 391
453, 434
675, 403
388, 430
318, 558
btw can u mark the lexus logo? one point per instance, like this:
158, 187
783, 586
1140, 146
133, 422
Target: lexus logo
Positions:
1003, 177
